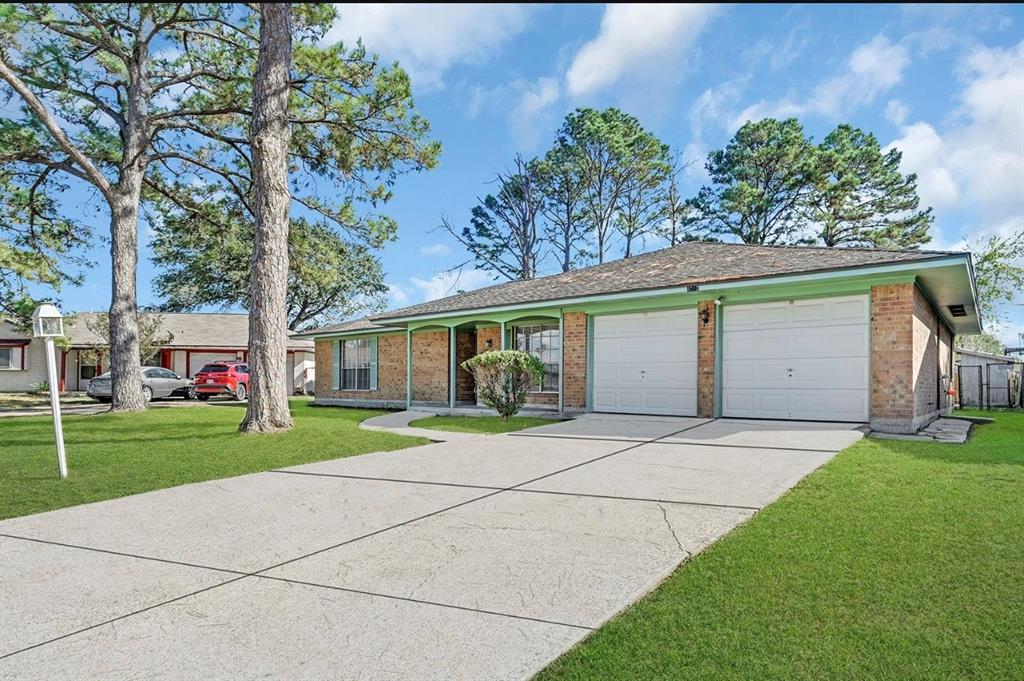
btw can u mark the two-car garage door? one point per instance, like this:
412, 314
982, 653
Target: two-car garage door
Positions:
800, 359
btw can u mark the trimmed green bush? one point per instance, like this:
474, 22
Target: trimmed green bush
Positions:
503, 377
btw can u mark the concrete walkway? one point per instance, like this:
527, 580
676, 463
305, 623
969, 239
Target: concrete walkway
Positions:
398, 422
478, 558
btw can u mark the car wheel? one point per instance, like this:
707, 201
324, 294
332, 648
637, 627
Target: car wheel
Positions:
190, 393
202, 397
147, 394
103, 400
240, 393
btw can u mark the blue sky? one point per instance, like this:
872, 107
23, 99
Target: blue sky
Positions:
945, 84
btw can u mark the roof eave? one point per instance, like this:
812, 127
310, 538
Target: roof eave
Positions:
723, 285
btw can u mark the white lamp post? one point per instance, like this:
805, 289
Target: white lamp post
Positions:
48, 324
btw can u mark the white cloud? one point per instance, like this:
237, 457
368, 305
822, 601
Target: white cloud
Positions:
435, 250
428, 39
534, 102
397, 295
896, 112
632, 39
449, 283
872, 69
981, 155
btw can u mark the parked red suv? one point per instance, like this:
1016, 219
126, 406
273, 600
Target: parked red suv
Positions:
223, 378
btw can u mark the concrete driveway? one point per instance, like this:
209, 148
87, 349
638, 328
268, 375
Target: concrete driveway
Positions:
483, 558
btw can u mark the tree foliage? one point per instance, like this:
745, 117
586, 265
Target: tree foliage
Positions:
205, 263
859, 197
565, 227
759, 183
503, 378
998, 272
503, 237
614, 155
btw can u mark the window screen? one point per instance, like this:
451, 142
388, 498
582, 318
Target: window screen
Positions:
543, 342
6, 358
355, 364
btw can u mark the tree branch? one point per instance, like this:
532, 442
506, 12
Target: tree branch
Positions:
40, 110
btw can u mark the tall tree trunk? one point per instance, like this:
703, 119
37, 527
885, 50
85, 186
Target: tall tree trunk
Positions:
267, 410
125, 363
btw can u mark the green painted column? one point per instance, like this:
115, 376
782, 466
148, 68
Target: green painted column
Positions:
408, 368
451, 367
504, 341
561, 363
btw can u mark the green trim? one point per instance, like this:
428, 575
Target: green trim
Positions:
451, 366
408, 368
589, 398
373, 363
357, 335
336, 365
716, 409
561, 364
583, 303
504, 336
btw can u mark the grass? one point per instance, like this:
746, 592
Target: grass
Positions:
112, 455
23, 400
479, 424
897, 560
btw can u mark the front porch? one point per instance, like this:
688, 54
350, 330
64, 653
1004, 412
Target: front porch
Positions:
436, 381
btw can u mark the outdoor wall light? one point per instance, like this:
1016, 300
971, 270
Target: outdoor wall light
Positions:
488, 343
705, 316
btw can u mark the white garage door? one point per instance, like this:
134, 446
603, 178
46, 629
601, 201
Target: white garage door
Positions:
646, 363
198, 359
800, 359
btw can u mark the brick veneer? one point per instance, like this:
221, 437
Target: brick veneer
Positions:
488, 333
574, 361
391, 372
706, 360
909, 352
430, 366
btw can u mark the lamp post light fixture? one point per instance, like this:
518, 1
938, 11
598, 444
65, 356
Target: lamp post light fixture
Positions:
48, 324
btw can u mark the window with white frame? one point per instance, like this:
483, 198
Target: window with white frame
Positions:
355, 364
543, 342
6, 358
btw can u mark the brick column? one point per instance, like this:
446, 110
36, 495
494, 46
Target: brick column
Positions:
706, 359
892, 357
574, 361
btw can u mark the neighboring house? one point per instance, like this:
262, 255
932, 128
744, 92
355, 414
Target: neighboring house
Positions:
197, 338
707, 329
988, 380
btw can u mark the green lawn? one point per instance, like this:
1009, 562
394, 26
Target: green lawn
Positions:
111, 455
479, 424
897, 560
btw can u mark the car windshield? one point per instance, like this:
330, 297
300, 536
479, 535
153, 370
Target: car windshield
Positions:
214, 369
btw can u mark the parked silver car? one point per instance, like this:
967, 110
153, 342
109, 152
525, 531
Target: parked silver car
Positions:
157, 382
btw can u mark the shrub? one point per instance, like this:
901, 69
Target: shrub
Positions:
42, 387
503, 377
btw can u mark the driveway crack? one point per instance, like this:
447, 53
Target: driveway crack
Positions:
664, 514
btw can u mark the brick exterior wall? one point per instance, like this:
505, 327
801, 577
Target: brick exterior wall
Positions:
488, 333
465, 347
706, 360
909, 354
574, 361
430, 366
892, 357
391, 371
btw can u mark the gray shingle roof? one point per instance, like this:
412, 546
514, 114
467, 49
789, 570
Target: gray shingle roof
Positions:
189, 330
691, 263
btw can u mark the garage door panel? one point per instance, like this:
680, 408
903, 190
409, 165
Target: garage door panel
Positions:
812, 364
646, 363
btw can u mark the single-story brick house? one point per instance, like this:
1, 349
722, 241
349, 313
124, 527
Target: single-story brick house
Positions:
708, 329
196, 339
